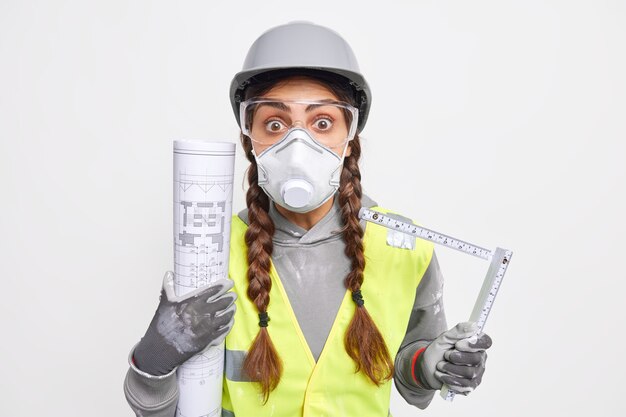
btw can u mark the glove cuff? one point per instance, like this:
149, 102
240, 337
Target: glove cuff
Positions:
133, 366
414, 363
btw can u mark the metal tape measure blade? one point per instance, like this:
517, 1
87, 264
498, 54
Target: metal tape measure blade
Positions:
499, 261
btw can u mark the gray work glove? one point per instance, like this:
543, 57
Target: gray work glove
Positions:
185, 325
455, 358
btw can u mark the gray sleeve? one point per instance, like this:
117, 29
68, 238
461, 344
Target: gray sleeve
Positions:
149, 395
427, 321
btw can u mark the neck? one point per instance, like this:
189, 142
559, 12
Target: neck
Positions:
309, 219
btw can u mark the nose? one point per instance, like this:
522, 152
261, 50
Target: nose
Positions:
297, 123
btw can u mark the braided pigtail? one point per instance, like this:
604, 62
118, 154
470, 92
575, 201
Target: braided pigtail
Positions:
363, 341
262, 363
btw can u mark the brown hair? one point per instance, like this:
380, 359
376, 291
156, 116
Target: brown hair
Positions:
363, 341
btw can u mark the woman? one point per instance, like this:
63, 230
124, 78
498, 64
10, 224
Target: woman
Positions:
326, 310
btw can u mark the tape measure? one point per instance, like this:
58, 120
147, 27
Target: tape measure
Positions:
499, 261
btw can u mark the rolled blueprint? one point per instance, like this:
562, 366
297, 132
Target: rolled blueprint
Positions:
203, 196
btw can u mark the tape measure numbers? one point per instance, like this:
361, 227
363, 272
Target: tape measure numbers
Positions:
499, 261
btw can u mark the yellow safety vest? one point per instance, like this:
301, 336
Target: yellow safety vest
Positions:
329, 387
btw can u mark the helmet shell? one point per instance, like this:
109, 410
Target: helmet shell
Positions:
302, 46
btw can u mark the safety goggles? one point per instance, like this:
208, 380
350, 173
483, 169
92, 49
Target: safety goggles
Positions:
266, 121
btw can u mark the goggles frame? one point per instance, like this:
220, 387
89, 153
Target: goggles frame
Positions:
352, 129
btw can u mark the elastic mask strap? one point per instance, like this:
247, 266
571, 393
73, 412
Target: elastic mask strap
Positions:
263, 179
335, 178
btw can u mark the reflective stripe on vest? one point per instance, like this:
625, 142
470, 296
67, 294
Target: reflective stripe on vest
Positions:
331, 387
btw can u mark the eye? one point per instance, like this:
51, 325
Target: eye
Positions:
323, 124
274, 126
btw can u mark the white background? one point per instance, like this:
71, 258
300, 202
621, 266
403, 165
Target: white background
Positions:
500, 122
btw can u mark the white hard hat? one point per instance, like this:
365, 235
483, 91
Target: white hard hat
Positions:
304, 48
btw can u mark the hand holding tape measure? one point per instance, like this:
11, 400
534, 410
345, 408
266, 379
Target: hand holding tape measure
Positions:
443, 346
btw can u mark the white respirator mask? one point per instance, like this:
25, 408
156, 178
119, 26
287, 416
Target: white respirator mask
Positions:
295, 139
299, 173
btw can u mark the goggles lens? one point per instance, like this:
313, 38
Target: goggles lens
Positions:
266, 121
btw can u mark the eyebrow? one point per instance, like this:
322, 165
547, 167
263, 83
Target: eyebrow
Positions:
314, 106
276, 104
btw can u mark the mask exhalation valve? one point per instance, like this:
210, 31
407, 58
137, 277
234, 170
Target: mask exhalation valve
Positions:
297, 192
